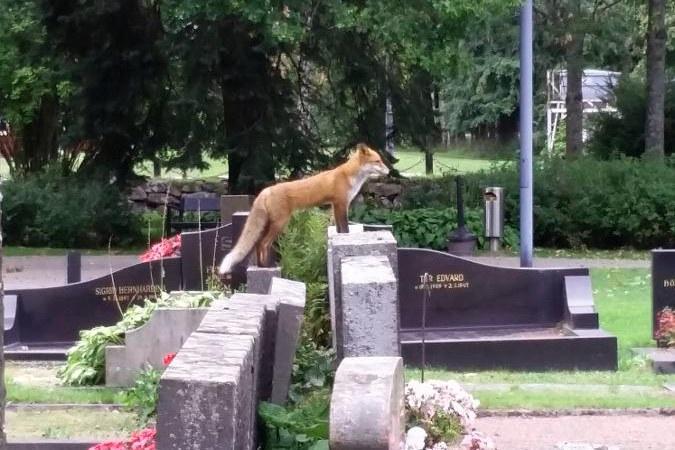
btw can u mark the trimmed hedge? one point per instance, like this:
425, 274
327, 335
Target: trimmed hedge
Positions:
428, 227
580, 203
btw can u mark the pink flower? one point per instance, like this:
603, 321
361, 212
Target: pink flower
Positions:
168, 358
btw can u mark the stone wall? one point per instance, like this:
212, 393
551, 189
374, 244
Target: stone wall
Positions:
382, 194
152, 196
240, 354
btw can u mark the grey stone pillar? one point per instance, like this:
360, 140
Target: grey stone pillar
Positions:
369, 324
367, 409
258, 279
290, 315
342, 245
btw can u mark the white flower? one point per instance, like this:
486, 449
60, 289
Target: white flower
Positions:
414, 439
440, 446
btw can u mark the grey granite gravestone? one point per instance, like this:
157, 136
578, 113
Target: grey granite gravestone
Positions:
369, 325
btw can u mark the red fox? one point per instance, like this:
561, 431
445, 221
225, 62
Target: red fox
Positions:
272, 209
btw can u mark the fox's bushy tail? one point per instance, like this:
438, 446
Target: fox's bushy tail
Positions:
252, 232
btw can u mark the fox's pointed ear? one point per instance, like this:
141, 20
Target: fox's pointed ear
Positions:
362, 148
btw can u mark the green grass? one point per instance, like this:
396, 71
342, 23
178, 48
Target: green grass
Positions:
592, 253
20, 393
518, 398
623, 300
411, 162
69, 423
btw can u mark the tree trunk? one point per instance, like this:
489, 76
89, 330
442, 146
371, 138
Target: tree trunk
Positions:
656, 62
39, 146
428, 162
156, 167
574, 98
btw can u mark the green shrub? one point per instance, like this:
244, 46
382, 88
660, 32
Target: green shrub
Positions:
582, 203
623, 132
303, 426
428, 227
143, 396
302, 248
50, 210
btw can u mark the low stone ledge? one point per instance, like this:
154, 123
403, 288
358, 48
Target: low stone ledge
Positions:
367, 405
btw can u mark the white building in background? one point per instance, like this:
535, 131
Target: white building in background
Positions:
598, 96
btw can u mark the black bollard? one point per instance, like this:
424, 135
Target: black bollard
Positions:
73, 267
461, 242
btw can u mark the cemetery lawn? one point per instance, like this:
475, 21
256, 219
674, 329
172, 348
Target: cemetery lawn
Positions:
411, 163
623, 299
69, 423
36, 382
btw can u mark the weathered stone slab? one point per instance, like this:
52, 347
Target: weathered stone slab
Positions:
200, 396
369, 307
341, 245
258, 279
367, 409
290, 314
165, 332
247, 323
271, 304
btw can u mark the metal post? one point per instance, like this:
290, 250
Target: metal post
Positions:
73, 267
526, 185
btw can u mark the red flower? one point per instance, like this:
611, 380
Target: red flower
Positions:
168, 358
163, 249
665, 331
140, 440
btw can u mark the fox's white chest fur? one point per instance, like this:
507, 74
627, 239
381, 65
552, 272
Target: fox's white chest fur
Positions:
357, 183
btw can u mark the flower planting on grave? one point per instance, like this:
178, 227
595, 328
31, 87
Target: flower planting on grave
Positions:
163, 249
139, 440
665, 331
86, 360
439, 413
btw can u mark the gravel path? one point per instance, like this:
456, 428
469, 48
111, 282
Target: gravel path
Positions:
510, 261
628, 432
20, 272
43, 271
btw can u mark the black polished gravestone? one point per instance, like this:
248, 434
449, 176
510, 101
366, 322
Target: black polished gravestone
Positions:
663, 283
42, 323
201, 253
486, 317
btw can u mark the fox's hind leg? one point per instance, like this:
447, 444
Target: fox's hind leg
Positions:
274, 229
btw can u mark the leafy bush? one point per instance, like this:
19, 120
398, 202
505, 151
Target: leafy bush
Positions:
428, 227
303, 427
86, 360
623, 132
50, 210
302, 248
144, 394
581, 203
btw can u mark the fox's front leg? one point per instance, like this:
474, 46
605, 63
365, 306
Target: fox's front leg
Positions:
340, 214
